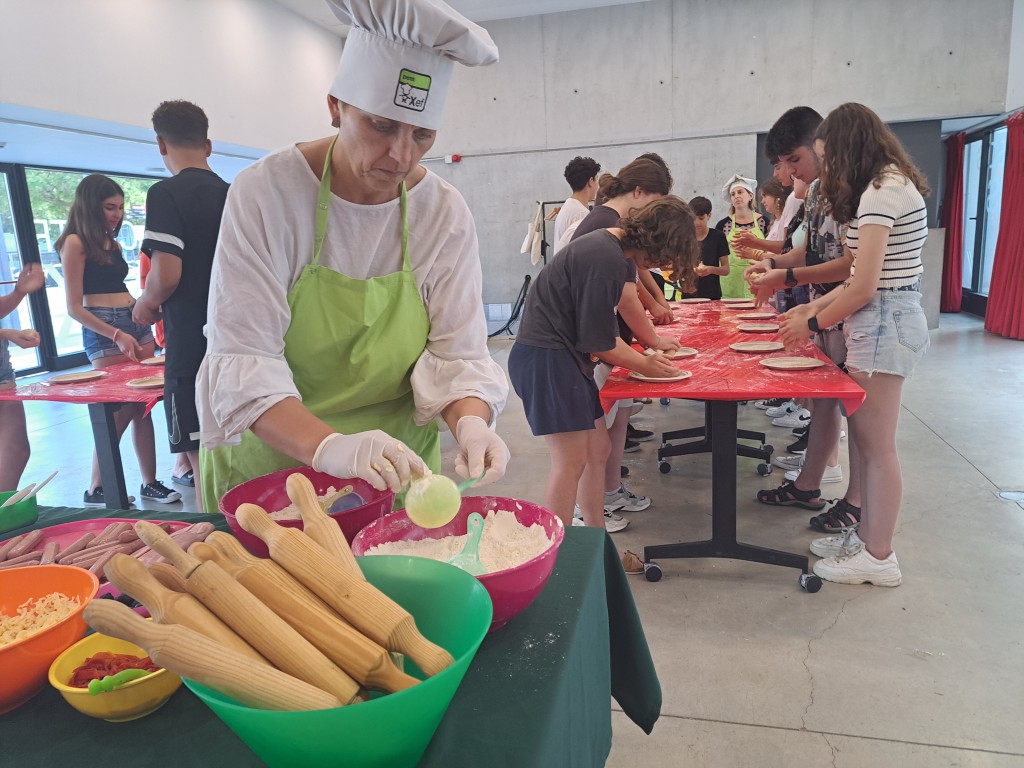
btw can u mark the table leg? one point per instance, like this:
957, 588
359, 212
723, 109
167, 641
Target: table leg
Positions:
104, 432
723, 543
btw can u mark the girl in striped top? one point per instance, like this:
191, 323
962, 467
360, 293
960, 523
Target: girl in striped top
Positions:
870, 182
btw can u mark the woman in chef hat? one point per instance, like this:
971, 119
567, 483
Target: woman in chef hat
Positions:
345, 304
739, 193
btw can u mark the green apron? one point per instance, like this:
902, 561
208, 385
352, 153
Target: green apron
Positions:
733, 284
351, 347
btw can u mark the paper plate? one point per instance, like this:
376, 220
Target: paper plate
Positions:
757, 346
756, 315
678, 377
679, 354
792, 363
146, 382
158, 360
758, 327
736, 300
741, 305
695, 300
76, 378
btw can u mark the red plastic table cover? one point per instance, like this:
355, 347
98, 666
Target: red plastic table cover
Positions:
112, 388
721, 373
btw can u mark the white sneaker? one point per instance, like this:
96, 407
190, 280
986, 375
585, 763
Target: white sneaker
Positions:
859, 569
625, 500
794, 462
578, 521
764, 405
798, 418
612, 522
636, 408
780, 410
841, 545
831, 474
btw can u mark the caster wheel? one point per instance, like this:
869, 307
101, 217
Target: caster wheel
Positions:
769, 449
665, 400
664, 467
810, 582
652, 572
764, 469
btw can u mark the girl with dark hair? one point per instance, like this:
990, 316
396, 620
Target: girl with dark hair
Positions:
569, 325
94, 272
870, 182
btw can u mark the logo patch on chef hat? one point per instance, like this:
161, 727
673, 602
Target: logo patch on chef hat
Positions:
412, 91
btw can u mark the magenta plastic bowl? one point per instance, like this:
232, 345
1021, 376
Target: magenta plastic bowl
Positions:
269, 492
511, 590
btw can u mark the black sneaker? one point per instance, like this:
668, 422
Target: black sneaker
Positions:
623, 471
158, 492
801, 431
800, 446
638, 435
95, 498
764, 405
632, 446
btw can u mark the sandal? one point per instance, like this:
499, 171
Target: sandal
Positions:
788, 495
841, 517
631, 563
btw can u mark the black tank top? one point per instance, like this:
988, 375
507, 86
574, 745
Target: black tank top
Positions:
105, 278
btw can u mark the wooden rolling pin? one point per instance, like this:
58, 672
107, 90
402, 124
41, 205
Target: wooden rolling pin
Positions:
346, 646
263, 629
185, 652
169, 577
367, 608
170, 607
318, 525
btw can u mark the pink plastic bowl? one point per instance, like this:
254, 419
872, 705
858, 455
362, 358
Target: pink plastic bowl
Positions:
511, 590
269, 492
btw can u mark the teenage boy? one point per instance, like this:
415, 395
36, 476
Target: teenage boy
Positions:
823, 263
581, 173
182, 222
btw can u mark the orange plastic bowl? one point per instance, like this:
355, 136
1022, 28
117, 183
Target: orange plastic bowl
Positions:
511, 590
24, 663
269, 492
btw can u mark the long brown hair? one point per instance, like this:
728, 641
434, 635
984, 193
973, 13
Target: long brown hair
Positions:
643, 172
664, 230
859, 148
86, 218
774, 188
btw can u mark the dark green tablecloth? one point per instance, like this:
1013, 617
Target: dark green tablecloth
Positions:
537, 693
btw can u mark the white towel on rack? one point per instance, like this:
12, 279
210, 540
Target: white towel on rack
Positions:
534, 236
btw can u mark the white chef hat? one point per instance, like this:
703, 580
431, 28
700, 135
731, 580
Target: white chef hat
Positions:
398, 59
736, 180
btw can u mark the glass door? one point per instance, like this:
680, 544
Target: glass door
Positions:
984, 162
11, 261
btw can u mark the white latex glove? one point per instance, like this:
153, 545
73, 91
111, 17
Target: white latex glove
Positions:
479, 448
374, 456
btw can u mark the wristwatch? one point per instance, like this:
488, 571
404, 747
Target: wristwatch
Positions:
790, 278
812, 323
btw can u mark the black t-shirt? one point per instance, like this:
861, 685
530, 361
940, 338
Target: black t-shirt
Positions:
183, 219
600, 217
712, 248
571, 303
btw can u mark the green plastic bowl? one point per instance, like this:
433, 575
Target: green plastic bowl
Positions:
17, 515
451, 608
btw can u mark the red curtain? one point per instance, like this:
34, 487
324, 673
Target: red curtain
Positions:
1004, 314
953, 221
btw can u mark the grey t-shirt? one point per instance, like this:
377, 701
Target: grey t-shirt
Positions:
571, 304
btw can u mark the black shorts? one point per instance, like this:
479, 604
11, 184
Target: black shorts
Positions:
182, 416
556, 395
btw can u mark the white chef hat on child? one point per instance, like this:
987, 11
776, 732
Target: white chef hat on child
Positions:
738, 181
398, 59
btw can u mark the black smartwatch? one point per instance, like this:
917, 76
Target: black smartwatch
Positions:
812, 323
790, 278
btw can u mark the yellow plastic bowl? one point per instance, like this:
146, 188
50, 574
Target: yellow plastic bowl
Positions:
130, 701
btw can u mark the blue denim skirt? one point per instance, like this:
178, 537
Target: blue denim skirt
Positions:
889, 334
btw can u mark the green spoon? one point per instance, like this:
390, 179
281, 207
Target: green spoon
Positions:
108, 683
469, 559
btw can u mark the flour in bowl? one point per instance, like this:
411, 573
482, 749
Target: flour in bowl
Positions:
505, 543
291, 512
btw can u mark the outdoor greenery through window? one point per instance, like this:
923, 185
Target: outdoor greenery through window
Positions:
51, 194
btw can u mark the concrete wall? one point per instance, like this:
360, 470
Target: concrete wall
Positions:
695, 80
260, 71
1015, 78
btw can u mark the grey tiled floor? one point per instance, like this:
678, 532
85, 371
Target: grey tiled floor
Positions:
756, 672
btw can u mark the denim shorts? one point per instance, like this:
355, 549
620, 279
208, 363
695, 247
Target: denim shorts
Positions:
6, 369
889, 334
97, 346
